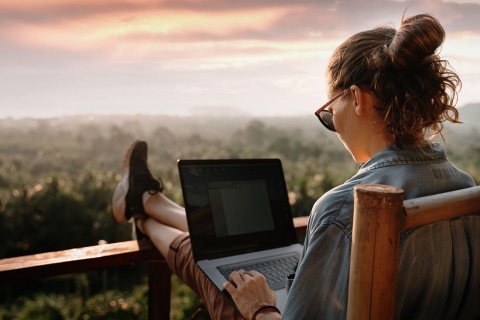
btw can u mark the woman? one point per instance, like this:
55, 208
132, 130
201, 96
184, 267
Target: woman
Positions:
390, 93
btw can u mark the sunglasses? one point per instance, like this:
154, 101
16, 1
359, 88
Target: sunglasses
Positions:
325, 116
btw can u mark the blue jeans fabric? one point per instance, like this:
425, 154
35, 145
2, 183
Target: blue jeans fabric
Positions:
439, 274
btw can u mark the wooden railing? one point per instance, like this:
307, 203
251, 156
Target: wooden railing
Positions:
37, 266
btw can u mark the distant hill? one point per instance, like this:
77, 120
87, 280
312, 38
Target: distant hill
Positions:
141, 125
215, 125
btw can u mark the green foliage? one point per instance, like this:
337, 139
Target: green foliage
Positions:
42, 308
57, 177
34, 219
113, 305
104, 306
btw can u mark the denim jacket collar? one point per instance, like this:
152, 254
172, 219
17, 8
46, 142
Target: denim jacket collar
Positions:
393, 155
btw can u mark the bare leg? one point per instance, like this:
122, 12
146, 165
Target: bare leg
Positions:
166, 221
161, 235
165, 211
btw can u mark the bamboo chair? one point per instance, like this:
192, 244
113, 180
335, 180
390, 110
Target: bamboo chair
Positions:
380, 215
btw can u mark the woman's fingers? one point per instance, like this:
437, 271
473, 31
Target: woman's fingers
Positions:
249, 290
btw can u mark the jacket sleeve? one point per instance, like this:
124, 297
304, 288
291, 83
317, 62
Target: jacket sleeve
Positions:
320, 288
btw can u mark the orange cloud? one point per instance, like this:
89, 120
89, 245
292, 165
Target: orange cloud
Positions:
139, 34
116, 26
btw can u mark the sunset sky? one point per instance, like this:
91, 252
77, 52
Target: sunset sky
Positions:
224, 57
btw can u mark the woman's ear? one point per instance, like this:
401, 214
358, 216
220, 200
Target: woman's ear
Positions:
358, 100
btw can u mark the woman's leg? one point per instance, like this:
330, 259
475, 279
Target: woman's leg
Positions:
166, 227
137, 194
166, 221
161, 235
164, 210
175, 246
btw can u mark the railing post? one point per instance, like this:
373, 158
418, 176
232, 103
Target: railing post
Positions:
377, 221
159, 290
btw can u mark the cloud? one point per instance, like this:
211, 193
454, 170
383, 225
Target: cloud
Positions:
185, 53
65, 24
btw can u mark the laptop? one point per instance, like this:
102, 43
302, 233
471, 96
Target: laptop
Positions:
239, 216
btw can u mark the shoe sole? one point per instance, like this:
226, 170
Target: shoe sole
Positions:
118, 199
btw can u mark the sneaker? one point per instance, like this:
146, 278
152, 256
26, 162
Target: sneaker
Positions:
136, 180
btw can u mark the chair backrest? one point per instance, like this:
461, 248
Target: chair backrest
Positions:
380, 214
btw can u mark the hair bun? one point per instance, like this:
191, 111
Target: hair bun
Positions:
417, 39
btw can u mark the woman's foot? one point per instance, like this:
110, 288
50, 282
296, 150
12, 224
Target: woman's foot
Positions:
135, 181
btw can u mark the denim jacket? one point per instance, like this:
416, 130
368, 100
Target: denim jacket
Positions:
439, 273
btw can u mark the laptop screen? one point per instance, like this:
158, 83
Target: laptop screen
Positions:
235, 206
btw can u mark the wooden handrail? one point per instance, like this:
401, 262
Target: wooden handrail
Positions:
42, 265
424, 210
102, 256
56, 263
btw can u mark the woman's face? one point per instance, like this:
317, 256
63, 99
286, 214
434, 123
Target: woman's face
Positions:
357, 125
353, 123
344, 121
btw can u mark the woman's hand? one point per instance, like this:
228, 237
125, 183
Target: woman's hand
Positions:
249, 290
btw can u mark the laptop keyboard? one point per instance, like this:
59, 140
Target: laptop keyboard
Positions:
275, 269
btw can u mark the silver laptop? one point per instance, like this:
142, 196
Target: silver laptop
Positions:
239, 217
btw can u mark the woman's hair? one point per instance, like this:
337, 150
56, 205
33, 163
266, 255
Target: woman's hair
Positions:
415, 89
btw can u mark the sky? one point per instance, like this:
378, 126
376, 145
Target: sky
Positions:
198, 57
